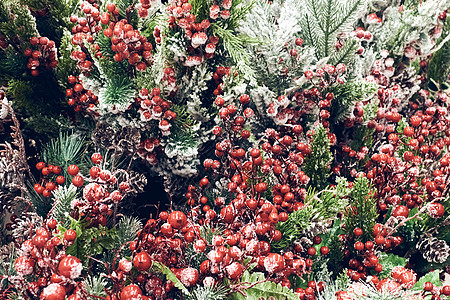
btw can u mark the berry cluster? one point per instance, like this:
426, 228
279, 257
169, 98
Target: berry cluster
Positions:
87, 27
47, 185
200, 46
43, 55
286, 111
79, 97
127, 42
218, 77
43, 259
153, 107
147, 151
103, 190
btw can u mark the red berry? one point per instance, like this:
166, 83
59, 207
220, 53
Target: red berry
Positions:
234, 270
312, 251
188, 276
400, 211
357, 231
24, 265
324, 250
359, 246
70, 235
274, 263
40, 165
142, 261
53, 291
70, 267
73, 170
177, 219
131, 291
96, 158
428, 286
60, 179
77, 181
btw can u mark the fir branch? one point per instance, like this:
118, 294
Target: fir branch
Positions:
325, 19
346, 54
117, 91
95, 285
439, 65
200, 9
65, 150
234, 45
127, 230
346, 95
209, 292
317, 164
61, 207
362, 210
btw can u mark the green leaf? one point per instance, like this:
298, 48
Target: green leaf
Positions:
432, 277
388, 262
262, 290
158, 267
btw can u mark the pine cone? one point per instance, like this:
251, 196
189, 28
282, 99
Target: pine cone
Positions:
26, 226
433, 249
102, 136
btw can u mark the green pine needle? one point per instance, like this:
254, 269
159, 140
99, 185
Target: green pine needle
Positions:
118, 91
317, 164
65, 150
325, 19
127, 230
61, 208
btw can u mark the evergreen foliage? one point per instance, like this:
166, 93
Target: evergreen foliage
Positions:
324, 20
317, 164
319, 207
362, 210
65, 150
63, 198
347, 94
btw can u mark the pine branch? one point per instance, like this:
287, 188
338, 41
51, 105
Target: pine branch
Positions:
234, 45
362, 210
325, 19
117, 92
317, 164
65, 150
62, 205
127, 230
95, 285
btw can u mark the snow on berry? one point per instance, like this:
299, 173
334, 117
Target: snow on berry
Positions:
210, 48
125, 265
54, 291
274, 263
70, 267
199, 38
24, 265
189, 276
214, 11
93, 192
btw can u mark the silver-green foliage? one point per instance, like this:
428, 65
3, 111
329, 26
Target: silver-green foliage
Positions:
325, 19
61, 207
